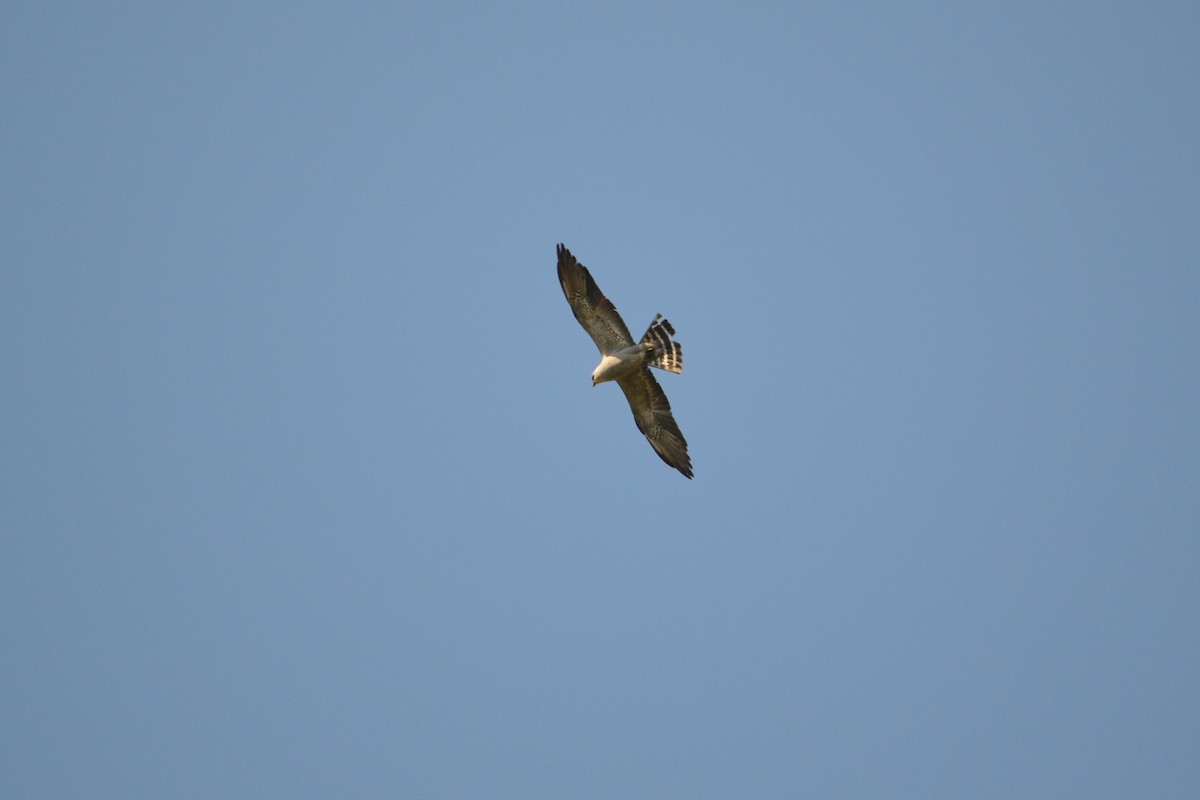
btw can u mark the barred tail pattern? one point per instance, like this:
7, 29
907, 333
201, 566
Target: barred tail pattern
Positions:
668, 354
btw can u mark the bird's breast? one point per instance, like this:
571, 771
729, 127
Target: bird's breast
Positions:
616, 365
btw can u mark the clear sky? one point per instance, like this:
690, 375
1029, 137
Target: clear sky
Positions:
307, 493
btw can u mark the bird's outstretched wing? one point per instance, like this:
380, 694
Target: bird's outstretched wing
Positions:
652, 413
595, 312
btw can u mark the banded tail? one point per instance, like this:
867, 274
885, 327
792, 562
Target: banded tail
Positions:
668, 354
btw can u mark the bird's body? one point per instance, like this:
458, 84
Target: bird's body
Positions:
628, 362
619, 364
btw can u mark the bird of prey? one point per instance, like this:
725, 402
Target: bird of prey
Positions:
628, 362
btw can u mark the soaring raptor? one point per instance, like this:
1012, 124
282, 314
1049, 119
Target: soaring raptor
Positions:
628, 362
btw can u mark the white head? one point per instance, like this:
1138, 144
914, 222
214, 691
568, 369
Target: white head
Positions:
606, 370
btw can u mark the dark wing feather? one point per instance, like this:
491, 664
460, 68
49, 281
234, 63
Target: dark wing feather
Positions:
595, 312
652, 413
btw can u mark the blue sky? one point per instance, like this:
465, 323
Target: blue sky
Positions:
306, 491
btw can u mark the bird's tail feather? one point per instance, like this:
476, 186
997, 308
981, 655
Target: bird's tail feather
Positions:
668, 354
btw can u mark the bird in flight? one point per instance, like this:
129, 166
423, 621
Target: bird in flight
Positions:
628, 362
